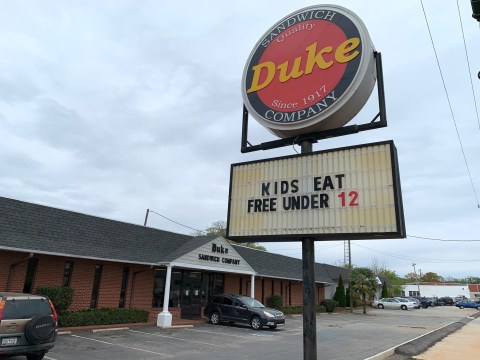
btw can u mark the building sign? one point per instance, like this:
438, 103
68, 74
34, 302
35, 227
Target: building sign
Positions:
219, 251
348, 193
215, 255
313, 70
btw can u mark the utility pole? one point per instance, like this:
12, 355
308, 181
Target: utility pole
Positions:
418, 283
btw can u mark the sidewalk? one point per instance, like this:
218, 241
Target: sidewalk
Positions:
462, 344
458, 340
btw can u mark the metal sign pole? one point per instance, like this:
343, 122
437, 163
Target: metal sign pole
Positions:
308, 269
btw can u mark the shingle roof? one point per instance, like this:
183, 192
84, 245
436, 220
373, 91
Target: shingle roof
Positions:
334, 272
37, 228
41, 229
280, 266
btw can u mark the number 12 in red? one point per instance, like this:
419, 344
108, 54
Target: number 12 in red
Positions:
352, 198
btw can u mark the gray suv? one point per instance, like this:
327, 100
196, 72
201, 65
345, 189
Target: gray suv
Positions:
28, 325
242, 309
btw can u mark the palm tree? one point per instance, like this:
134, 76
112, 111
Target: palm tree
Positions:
363, 284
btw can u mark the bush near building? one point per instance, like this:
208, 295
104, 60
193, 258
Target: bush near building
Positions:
103, 316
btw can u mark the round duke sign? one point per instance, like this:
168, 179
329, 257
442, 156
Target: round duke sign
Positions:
313, 70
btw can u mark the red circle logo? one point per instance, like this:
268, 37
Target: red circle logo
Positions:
303, 68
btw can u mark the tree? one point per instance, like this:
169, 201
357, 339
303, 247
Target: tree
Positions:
411, 277
363, 284
339, 296
378, 266
432, 277
347, 297
220, 228
384, 290
396, 282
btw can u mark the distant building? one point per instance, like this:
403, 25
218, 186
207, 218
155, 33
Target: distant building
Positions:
437, 290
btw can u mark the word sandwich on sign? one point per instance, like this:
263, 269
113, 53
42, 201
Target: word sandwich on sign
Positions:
218, 249
347, 193
313, 70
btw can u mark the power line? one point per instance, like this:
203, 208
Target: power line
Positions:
176, 222
435, 239
450, 104
425, 260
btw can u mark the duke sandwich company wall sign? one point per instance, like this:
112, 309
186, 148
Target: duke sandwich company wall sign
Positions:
313, 70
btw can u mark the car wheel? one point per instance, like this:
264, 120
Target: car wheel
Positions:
478, 307
35, 356
215, 318
40, 329
272, 326
461, 307
256, 323
380, 306
403, 307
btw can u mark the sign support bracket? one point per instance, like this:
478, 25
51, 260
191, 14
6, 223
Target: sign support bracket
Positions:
379, 121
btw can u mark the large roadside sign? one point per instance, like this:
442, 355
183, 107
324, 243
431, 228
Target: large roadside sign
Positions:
347, 193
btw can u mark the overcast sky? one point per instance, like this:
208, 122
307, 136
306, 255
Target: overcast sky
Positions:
111, 108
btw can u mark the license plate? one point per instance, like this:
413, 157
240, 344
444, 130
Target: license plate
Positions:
9, 341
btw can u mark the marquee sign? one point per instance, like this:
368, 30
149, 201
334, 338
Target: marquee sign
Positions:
347, 193
313, 70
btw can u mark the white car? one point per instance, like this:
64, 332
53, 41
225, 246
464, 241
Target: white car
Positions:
394, 303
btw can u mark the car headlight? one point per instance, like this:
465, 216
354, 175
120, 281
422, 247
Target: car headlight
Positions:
268, 314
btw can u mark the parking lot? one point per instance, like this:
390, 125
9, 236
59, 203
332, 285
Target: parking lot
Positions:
339, 336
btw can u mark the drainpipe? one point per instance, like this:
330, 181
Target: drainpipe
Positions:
12, 266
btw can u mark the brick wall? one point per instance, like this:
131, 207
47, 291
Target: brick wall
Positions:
15, 264
139, 286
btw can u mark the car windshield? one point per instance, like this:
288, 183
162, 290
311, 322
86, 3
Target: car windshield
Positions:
252, 302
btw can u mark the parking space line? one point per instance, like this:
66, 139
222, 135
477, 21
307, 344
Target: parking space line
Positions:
122, 346
49, 358
217, 333
176, 338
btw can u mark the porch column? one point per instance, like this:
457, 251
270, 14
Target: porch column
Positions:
164, 319
252, 286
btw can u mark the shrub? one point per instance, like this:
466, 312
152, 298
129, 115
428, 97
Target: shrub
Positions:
299, 309
339, 296
61, 296
104, 316
329, 304
275, 301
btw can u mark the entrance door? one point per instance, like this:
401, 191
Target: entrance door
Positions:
191, 295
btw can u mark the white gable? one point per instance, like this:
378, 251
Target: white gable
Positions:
217, 255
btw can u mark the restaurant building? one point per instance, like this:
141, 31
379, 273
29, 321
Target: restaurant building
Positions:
111, 263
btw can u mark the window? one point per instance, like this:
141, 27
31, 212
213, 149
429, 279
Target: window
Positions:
96, 286
414, 293
227, 301
159, 287
67, 273
30, 275
123, 289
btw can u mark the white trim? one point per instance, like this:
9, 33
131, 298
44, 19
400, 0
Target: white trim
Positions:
211, 268
77, 256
